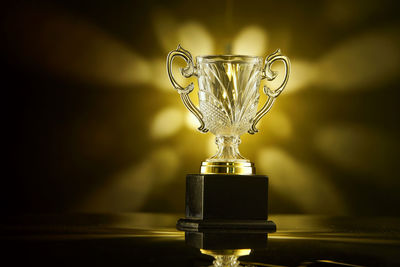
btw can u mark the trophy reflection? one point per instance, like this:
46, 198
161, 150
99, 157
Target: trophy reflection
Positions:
228, 101
227, 247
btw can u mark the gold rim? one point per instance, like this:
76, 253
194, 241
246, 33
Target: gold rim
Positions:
244, 168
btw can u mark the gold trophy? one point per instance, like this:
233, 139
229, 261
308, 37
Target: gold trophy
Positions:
228, 101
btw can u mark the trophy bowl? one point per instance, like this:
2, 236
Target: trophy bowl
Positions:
228, 100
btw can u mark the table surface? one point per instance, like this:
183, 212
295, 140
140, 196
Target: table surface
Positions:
144, 239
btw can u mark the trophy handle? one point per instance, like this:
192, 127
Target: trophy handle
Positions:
272, 94
187, 72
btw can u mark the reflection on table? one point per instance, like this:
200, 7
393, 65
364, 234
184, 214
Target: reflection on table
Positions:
151, 240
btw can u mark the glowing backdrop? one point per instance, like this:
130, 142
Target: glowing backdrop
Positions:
93, 123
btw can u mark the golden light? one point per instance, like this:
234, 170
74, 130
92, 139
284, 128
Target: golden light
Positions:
252, 40
195, 36
166, 123
191, 121
165, 27
345, 13
362, 62
303, 74
189, 34
279, 125
356, 148
61, 47
305, 185
127, 190
166, 162
161, 81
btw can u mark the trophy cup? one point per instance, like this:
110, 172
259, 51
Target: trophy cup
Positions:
227, 193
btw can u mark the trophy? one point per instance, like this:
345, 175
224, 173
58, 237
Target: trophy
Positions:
227, 193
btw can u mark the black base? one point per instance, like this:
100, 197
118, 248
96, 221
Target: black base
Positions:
229, 202
226, 225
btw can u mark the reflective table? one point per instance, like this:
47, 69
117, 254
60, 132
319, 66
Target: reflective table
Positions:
142, 239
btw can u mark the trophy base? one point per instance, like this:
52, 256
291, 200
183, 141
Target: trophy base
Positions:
219, 167
230, 202
190, 225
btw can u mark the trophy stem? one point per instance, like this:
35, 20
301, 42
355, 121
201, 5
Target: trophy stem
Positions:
228, 159
228, 149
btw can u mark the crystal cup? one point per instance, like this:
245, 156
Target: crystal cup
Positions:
228, 100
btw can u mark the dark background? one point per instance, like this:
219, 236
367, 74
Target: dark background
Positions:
92, 124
